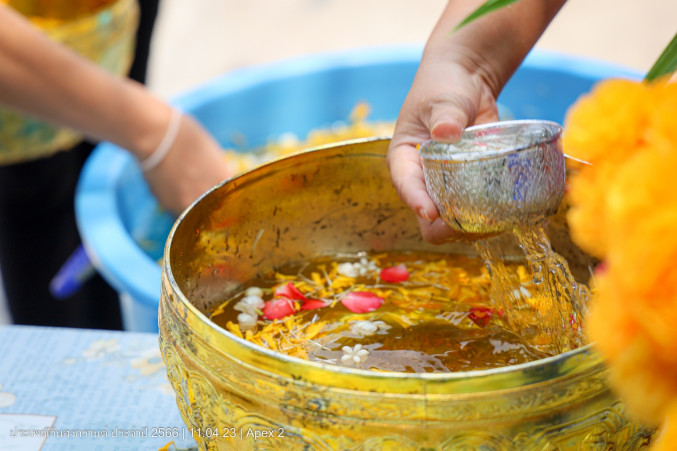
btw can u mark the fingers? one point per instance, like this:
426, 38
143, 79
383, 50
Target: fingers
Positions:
441, 116
407, 176
443, 120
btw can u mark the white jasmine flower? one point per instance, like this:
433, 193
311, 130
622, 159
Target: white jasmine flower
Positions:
348, 269
250, 305
354, 355
366, 327
253, 291
362, 268
253, 301
247, 321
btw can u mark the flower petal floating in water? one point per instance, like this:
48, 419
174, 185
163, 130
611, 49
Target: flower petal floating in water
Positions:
348, 269
362, 268
278, 308
249, 305
247, 321
253, 291
361, 301
366, 327
353, 355
289, 291
395, 274
480, 315
312, 304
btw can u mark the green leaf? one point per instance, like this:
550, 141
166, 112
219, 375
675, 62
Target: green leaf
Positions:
487, 7
666, 63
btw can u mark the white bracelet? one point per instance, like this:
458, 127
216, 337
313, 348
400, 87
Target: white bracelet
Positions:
166, 144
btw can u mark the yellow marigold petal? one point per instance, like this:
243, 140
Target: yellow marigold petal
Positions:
646, 385
587, 215
663, 113
641, 189
290, 322
234, 329
314, 329
342, 282
317, 278
608, 122
667, 436
402, 320
303, 286
360, 112
642, 276
609, 323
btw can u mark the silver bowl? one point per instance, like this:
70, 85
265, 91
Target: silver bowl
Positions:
498, 176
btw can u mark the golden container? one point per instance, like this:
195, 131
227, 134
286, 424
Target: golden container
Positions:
102, 31
233, 394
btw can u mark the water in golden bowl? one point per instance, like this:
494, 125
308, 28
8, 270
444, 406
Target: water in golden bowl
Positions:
236, 394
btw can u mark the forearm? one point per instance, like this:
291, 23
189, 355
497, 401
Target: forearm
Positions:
496, 43
44, 79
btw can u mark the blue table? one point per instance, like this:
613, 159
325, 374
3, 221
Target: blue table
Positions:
73, 389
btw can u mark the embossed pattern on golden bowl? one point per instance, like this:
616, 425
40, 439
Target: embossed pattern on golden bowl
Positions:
316, 203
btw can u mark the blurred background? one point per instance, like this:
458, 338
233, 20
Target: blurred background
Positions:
198, 40
201, 39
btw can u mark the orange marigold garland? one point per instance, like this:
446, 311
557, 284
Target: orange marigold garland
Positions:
604, 124
624, 210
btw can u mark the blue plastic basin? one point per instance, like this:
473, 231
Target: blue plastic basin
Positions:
124, 230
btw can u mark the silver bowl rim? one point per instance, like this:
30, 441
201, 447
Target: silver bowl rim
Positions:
497, 154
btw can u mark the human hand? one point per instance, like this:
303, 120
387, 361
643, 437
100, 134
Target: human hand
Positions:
194, 164
446, 97
461, 73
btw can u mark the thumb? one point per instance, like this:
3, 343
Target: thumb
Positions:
449, 119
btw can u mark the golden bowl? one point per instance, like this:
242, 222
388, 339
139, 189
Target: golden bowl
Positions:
233, 394
103, 31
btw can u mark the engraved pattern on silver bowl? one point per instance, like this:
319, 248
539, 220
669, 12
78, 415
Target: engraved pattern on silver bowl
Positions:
497, 176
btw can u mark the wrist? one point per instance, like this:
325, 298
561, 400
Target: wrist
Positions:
163, 148
139, 119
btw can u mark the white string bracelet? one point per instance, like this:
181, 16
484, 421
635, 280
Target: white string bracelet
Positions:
166, 144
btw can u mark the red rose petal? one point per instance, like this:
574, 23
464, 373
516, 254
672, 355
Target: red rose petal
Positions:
289, 291
278, 308
480, 315
395, 274
361, 301
312, 304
